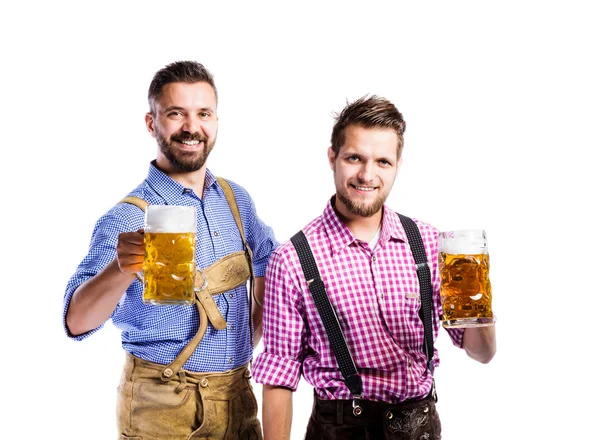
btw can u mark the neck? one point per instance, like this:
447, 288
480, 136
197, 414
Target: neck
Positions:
363, 228
193, 179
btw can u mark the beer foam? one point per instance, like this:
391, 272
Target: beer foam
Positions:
470, 241
170, 218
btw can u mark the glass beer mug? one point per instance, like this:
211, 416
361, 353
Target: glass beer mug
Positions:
170, 255
466, 291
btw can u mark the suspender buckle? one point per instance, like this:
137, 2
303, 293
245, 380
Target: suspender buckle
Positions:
422, 266
356, 408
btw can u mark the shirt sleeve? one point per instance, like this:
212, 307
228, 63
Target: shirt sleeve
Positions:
261, 240
102, 250
284, 330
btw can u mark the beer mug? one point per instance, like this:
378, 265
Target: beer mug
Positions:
466, 291
170, 255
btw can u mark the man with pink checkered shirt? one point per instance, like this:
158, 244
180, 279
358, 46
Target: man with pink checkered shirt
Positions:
364, 260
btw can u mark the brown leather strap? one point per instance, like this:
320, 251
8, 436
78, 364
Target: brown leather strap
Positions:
140, 203
224, 184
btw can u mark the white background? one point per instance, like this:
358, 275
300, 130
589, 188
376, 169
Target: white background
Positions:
501, 101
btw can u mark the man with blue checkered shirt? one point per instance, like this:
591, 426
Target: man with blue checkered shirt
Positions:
186, 370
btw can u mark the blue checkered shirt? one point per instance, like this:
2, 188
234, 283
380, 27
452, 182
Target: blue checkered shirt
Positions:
159, 333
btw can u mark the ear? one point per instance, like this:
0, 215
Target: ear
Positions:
150, 124
331, 157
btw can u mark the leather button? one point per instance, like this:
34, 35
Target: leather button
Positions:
204, 382
168, 372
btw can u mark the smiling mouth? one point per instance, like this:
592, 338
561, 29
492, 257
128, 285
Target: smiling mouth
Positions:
363, 188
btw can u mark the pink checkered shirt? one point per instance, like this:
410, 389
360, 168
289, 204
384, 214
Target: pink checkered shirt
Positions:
376, 297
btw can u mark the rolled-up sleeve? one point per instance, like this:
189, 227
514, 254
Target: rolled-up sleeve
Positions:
281, 361
260, 237
102, 251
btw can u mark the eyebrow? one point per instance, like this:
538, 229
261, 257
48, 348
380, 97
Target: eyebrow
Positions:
174, 107
354, 153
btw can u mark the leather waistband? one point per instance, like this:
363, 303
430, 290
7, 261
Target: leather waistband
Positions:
219, 385
341, 411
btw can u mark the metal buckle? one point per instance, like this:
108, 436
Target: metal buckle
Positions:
199, 271
356, 408
422, 266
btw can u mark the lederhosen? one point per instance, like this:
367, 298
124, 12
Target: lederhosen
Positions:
359, 419
225, 401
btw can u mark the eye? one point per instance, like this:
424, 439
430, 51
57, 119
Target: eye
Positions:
174, 114
384, 162
204, 114
353, 158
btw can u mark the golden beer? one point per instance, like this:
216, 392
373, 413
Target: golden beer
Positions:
466, 291
169, 266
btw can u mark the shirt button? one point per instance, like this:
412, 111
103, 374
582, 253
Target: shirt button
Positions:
230, 360
215, 233
374, 258
231, 327
186, 191
231, 295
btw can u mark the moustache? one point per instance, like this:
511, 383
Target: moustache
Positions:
185, 136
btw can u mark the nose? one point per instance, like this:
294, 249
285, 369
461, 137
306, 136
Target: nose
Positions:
191, 124
367, 172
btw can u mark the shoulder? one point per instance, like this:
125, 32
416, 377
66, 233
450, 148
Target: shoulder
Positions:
242, 197
286, 252
429, 236
427, 231
128, 215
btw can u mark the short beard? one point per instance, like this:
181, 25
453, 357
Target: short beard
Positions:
184, 161
362, 209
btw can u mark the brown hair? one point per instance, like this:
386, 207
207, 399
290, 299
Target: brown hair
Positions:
368, 112
179, 71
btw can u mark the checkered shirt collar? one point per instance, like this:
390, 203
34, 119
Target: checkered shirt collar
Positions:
170, 190
340, 236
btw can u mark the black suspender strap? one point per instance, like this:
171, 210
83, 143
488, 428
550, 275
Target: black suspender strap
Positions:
418, 250
328, 316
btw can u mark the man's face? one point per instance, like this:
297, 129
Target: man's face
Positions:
185, 125
364, 170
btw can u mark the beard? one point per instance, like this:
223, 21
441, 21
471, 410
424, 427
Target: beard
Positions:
362, 209
186, 161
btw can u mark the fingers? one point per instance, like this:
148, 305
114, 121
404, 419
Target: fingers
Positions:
130, 251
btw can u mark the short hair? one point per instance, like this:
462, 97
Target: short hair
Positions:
368, 112
179, 71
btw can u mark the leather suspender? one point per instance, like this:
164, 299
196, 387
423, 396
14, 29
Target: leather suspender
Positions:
424, 274
332, 326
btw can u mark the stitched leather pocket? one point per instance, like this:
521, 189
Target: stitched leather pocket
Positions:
420, 422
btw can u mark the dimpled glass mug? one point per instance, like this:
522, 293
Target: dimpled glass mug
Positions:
170, 255
466, 291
